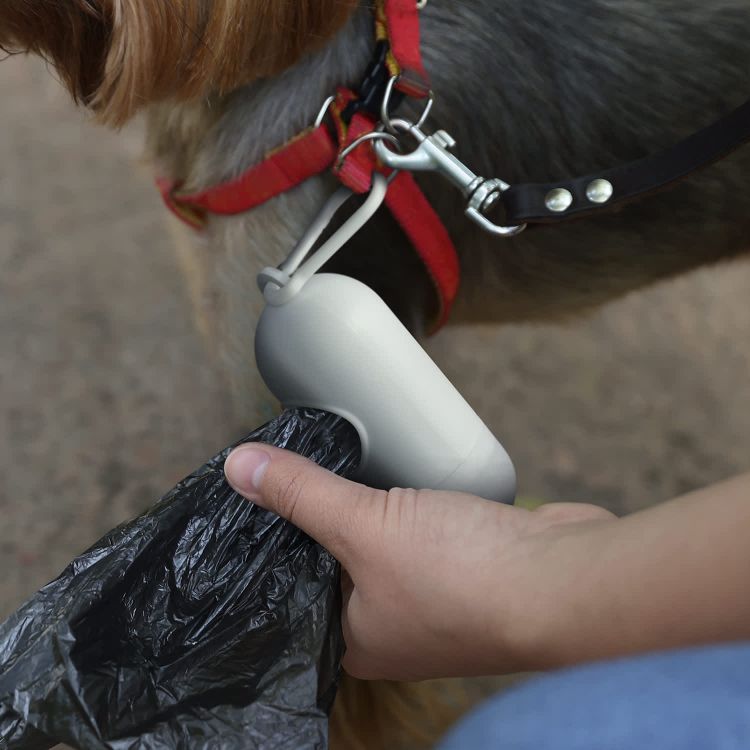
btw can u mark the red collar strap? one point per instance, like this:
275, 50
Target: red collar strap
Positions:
397, 22
317, 149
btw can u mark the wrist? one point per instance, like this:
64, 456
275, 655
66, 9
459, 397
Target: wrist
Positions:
555, 594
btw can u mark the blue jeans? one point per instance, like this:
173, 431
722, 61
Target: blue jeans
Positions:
696, 699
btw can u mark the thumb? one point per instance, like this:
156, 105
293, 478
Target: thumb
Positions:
332, 510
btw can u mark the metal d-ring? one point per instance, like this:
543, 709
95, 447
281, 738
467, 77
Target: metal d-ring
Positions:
373, 135
385, 105
323, 111
421, 4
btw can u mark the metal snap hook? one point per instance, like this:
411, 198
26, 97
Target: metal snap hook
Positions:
432, 154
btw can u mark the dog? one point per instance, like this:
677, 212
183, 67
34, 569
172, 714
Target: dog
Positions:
531, 91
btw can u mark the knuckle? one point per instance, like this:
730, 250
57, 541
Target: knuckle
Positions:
288, 493
400, 495
400, 508
350, 521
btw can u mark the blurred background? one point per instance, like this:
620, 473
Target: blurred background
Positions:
107, 398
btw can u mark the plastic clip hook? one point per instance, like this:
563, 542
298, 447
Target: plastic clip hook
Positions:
280, 284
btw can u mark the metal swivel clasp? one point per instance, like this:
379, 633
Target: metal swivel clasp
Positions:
432, 154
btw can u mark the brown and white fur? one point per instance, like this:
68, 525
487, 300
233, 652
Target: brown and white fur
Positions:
533, 90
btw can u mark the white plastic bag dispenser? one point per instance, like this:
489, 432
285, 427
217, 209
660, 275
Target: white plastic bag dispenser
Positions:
330, 342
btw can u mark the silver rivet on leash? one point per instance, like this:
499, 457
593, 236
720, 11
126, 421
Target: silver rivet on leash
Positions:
559, 200
599, 191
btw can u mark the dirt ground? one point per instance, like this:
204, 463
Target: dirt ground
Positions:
106, 397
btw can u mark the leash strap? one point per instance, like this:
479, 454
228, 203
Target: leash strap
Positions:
549, 203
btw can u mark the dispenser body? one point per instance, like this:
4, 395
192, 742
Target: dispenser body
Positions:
335, 345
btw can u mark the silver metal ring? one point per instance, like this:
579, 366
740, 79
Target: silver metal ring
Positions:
373, 135
421, 4
324, 111
401, 125
385, 105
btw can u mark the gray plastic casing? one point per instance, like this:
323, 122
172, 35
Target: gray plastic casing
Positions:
335, 345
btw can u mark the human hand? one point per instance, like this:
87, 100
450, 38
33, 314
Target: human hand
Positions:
435, 584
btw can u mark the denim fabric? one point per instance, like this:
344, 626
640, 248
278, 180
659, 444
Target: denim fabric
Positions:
695, 699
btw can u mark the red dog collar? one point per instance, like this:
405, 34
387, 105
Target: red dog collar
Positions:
317, 149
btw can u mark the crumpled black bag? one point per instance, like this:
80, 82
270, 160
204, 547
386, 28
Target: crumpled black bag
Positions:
205, 623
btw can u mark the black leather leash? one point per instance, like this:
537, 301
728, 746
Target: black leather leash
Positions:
539, 203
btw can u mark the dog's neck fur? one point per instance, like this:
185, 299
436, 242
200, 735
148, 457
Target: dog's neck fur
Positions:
532, 91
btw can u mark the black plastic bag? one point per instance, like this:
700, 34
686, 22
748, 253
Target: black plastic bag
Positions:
205, 623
